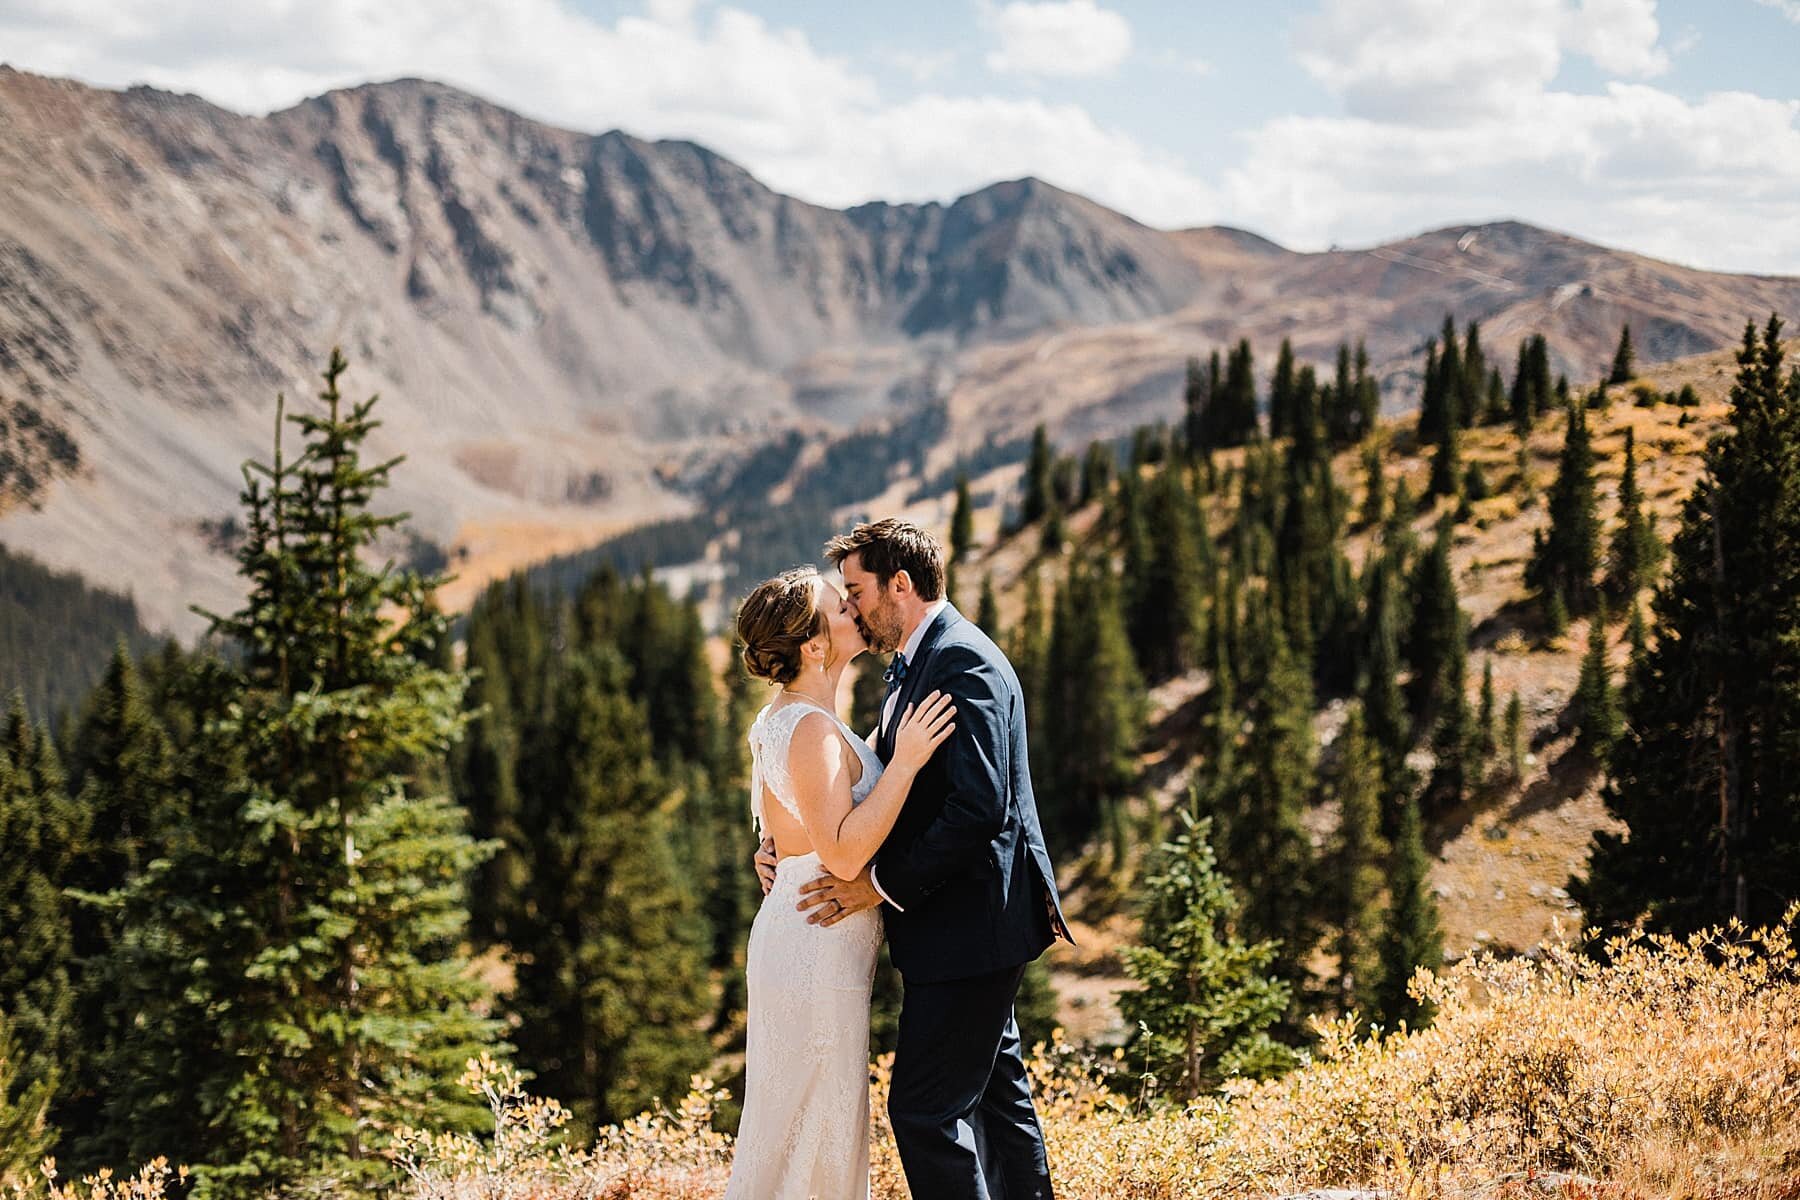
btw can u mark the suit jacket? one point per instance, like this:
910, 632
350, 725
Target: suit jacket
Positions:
966, 861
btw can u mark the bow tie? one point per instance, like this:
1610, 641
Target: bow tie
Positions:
895, 674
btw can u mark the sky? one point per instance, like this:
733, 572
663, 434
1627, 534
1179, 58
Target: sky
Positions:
1669, 127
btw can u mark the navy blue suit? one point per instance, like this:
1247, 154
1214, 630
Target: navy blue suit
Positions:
976, 900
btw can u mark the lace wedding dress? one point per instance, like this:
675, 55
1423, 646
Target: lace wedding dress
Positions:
805, 1128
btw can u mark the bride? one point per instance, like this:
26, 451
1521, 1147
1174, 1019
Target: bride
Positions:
805, 1126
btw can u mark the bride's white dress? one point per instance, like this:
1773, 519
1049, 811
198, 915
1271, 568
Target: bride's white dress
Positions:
805, 1128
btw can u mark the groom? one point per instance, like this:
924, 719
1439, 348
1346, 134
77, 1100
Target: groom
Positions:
968, 891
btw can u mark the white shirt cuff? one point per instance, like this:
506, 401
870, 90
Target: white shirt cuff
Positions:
876, 883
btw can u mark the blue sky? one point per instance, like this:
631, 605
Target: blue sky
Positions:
1670, 127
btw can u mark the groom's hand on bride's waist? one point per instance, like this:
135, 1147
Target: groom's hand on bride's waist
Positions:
831, 899
765, 864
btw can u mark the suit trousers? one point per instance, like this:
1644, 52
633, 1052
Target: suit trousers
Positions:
960, 1101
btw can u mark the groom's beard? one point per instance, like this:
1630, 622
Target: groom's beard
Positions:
880, 633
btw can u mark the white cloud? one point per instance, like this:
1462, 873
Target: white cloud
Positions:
1059, 38
1430, 63
1787, 8
806, 122
1708, 182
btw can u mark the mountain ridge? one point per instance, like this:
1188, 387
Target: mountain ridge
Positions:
572, 328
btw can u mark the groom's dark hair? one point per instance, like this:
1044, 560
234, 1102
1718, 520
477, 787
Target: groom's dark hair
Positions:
886, 548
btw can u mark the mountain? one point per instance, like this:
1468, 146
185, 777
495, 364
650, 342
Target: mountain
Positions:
575, 333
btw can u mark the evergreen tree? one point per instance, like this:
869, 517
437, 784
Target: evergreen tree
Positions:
1358, 855
1434, 402
1038, 500
611, 981
1452, 384
296, 959
1374, 490
1197, 413
987, 609
1412, 938
1636, 552
1281, 393
1515, 736
1485, 734
1564, 558
1093, 710
1262, 835
26, 1136
1521, 403
1167, 590
1368, 395
1446, 463
1702, 776
1343, 415
41, 831
1472, 383
1096, 473
1453, 739
1595, 702
1055, 531
1205, 1000
962, 521
1436, 628
1496, 410
1383, 704
128, 805
1624, 364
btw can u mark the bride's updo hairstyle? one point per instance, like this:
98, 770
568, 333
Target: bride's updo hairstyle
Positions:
778, 618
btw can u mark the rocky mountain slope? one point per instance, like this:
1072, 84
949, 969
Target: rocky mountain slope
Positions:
570, 331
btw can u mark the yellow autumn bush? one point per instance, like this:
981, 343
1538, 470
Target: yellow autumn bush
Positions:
1669, 1068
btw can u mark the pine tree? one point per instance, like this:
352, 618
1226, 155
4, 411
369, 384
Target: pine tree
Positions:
26, 1136
1636, 551
962, 521
1624, 364
1702, 776
1096, 473
1262, 835
1167, 589
296, 960
1453, 738
1434, 403
987, 609
1205, 1000
125, 791
1595, 702
1564, 559
1451, 382
1343, 415
41, 831
1038, 501
1471, 385
1521, 403
1383, 703
1374, 489
1412, 938
1368, 395
611, 983
1515, 736
1281, 393
1357, 856
1093, 707
1486, 737
1496, 410
1055, 531
1446, 463
1436, 628
1196, 409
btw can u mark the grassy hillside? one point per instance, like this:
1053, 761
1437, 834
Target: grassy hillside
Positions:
1503, 860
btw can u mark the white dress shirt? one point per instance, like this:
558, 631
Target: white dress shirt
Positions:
887, 708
